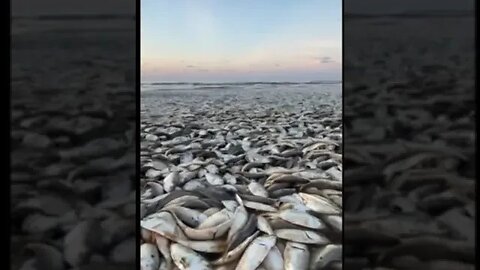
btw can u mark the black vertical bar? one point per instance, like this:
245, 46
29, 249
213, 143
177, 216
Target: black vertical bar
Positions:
410, 134
138, 19
72, 134
8, 114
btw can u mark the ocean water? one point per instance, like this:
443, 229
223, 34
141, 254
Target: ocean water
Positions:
161, 86
164, 99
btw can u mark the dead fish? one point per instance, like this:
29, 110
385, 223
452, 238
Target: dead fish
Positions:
163, 245
277, 223
296, 256
186, 157
181, 201
314, 146
282, 192
253, 175
193, 185
338, 266
215, 193
147, 235
257, 199
319, 204
189, 202
229, 188
257, 189
188, 216
293, 199
210, 211
263, 225
291, 153
212, 168
276, 186
240, 218
153, 201
302, 236
242, 189
274, 259
153, 173
230, 205
292, 179
253, 157
178, 149
325, 255
295, 207
214, 179
334, 173
230, 179
156, 188
250, 165
171, 181
243, 233
301, 218
256, 252
216, 219
322, 184
259, 206
235, 253
338, 200
210, 233
326, 164
187, 176
164, 224
149, 257
309, 174
335, 222
204, 246
186, 258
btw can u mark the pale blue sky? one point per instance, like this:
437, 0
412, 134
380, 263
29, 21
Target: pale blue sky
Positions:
227, 40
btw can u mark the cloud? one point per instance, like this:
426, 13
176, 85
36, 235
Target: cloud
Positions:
196, 68
325, 59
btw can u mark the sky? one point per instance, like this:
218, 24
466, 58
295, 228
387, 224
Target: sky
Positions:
248, 40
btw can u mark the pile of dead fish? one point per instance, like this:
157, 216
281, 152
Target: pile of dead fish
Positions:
231, 191
409, 178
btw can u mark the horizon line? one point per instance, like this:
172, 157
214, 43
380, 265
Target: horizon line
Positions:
242, 82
